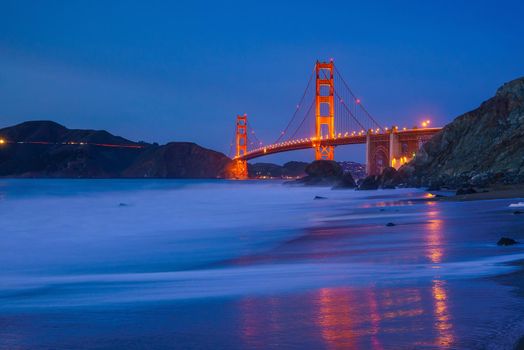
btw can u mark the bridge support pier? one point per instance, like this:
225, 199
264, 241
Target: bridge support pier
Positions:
240, 166
377, 152
368, 154
325, 109
394, 149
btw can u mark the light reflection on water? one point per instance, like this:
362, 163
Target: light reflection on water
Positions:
443, 318
347, 318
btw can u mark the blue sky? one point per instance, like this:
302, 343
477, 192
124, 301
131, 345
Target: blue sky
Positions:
180, 71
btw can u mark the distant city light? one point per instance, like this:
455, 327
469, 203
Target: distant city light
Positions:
2, 141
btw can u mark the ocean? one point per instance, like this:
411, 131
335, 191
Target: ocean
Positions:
216, 264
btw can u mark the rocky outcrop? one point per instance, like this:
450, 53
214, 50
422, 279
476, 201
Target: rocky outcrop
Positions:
325, 173
479, 148
505, 241
48, 149
370, 182
389, 178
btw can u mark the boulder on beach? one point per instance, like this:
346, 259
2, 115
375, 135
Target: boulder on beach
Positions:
389, 178
345, 181
465, 190
505, 241
369, 183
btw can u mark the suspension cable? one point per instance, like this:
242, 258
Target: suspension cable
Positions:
298, 107
355, 98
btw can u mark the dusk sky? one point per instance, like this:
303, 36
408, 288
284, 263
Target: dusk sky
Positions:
181, 71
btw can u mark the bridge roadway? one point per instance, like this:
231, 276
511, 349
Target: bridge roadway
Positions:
350, 139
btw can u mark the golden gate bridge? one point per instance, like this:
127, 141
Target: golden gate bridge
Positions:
328, 115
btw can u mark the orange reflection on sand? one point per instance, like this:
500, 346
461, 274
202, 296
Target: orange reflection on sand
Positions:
375, 320
435, 251
335, 320
443, 324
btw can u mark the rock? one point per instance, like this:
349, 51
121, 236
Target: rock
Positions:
369, 183
466, 190
390, 224
346, 181
389, 178
319, 197
325, 173
479, 148
505, 241
518, 212
324, 169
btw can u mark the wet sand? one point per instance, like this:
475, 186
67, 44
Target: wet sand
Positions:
516, 281
493, 192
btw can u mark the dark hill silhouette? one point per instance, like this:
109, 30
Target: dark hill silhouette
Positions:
58, 159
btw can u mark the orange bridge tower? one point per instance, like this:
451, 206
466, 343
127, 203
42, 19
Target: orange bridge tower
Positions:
325, 110
240, 166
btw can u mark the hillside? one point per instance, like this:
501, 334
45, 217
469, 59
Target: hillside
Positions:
478, 148
45, 149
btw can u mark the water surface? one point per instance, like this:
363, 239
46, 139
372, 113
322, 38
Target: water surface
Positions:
184, 264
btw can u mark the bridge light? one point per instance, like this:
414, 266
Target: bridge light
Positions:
357, 101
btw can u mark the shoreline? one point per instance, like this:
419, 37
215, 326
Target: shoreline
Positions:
488, 193
493, 192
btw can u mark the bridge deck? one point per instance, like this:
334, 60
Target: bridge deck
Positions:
306, 143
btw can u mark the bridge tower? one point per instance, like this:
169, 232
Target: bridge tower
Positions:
325, 109
240, 166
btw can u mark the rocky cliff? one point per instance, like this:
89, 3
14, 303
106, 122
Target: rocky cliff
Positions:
478, 148
48, 149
